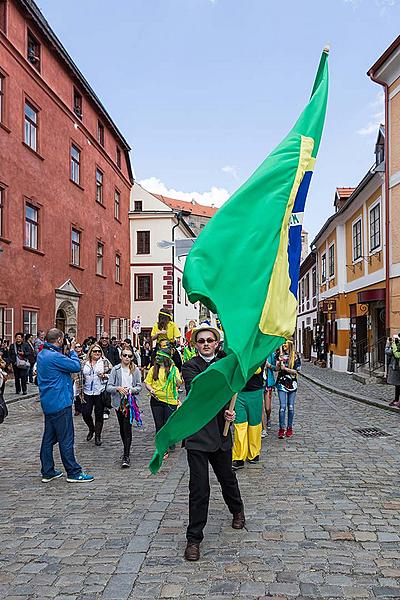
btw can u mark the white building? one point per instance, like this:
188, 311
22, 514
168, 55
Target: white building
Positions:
307, 308
156, 271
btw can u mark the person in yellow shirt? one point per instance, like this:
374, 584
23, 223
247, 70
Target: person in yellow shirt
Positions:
166, 330
162, 382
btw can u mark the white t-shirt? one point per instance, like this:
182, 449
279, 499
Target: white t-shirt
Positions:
126, 380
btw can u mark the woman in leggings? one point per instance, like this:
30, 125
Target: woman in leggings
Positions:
94, 371
123, 383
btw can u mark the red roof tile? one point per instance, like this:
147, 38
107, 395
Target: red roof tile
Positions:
195, 209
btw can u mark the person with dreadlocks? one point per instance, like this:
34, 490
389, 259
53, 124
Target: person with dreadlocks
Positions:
162, 382
286, 384
166, 330
124, 384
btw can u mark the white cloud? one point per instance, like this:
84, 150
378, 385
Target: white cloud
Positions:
376, 118
216, 195
232, 170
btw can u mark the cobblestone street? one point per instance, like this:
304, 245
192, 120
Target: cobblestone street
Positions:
322, 515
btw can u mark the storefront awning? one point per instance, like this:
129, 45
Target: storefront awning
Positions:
371, 295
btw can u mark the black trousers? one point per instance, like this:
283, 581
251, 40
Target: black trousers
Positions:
199, 488
125, 430
397, 393
87, 408
21, 379
161, 412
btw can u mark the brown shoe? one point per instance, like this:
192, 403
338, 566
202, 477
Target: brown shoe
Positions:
239, 520
192, 551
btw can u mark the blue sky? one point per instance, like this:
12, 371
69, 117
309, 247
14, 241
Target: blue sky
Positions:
204, 89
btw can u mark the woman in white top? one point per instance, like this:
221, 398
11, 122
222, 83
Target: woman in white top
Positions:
124, 379
95, 374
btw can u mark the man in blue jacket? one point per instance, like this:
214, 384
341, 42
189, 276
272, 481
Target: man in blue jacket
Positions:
56, 395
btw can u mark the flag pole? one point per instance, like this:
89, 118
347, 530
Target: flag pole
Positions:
231, 408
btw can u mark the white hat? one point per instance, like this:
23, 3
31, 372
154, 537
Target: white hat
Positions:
205, 327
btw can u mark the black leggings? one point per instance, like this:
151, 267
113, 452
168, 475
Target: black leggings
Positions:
161, 412
125, 430
397, 393
87, 408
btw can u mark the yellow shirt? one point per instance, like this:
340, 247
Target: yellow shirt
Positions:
158, 384
172, 332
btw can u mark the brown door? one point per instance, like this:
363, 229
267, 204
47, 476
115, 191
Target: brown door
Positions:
60, 320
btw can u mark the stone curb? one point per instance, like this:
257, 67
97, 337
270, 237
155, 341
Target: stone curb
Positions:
21, 397
351, 395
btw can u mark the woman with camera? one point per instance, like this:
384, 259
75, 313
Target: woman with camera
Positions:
124, 380
286, 384
392, 351
95, 374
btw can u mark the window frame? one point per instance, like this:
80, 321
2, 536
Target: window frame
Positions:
118, 267
117, 212
33, 326
2, 97
118, 156
179, 290
29, 224
323, 267
136, 204
77, 103
331, 260
136, 287
2, 212
99, 186
145, 242
100, 133
76, 244
371, 209
100, 255
73, 161
32, 125
35, 58
99, 325
355, 223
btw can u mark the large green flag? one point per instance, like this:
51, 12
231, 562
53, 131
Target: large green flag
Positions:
245, 267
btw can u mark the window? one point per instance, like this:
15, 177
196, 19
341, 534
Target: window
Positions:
77, 103
138, 206
75, 164
375, 227
2, 87
6, 323
2, 219
33, 51
114, 328
100, 257
31, 226
118, 268
179, 291
314, 282
307, 286
331, 260
30, 321
99, 326
31, 125
99, 186
117, 204
323, 267
76, 247
143, 287
100, 133
3, 20
143, 242
357, 246
118, 157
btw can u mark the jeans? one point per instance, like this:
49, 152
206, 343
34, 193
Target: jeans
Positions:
286, 399
125, 430
21, 379
59, 427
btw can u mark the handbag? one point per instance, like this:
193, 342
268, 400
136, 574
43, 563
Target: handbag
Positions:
21, 363
106, 399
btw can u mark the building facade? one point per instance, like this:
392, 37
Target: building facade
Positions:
65, 180
157, 223
307, 308
350, 330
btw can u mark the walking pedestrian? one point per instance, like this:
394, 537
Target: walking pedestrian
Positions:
162, 382
39, 342
31, 357
247, 426
145, 356
19, 356
166, 329
54, 371
270, 370
110, 352
286, 384
124, 381
392, 351
95, 369
208, 446
78, 381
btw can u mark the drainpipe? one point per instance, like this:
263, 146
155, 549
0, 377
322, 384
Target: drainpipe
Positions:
387, 213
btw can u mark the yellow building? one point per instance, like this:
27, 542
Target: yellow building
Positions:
350, 328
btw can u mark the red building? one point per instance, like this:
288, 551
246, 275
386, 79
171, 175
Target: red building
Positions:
65, 180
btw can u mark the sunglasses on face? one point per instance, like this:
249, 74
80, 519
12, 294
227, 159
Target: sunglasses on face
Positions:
207, 341
96, 351
127, 355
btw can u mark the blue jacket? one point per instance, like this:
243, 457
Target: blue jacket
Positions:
54, 378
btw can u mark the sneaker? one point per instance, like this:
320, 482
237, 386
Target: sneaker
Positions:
81, 478
237, 464
269, 426
263, 433
281, 433
254, 461
106, 416
126, 462
166, 456
57, 475
289, 432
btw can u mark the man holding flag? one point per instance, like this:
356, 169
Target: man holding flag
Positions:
245, 265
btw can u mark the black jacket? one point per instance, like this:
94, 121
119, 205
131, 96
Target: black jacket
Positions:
209, 438
112, 354
23, 349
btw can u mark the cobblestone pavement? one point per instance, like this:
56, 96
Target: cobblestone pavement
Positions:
322, 515
344, 381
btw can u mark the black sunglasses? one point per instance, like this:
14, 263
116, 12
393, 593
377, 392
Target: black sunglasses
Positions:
127, 355
207, 341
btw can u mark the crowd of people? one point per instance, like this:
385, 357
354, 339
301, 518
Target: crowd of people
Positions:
102, 374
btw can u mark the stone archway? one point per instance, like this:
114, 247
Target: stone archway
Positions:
67, 305
67, 309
